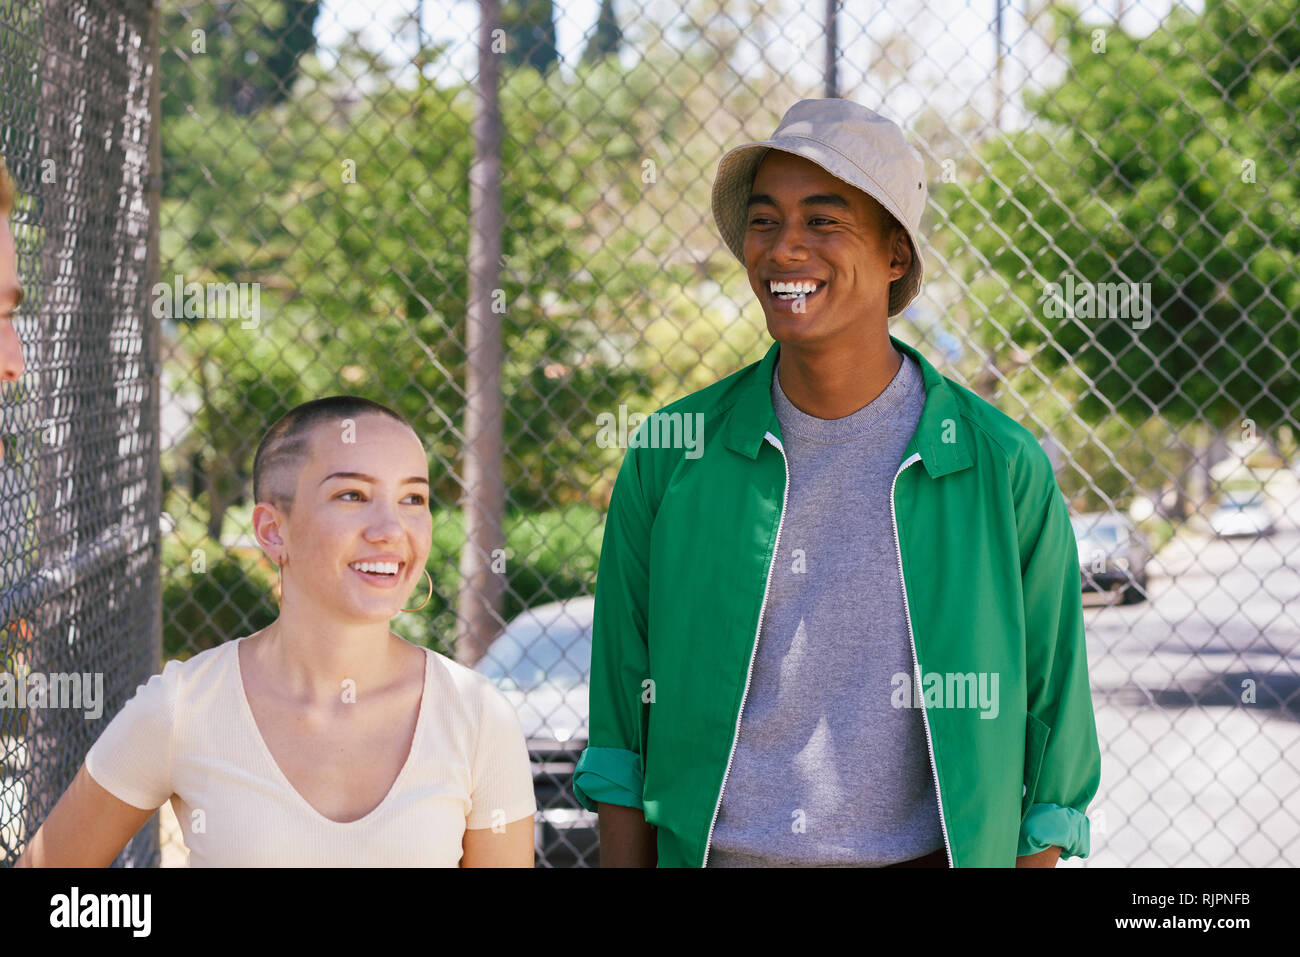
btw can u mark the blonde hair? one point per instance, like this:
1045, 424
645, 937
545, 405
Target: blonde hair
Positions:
7, 190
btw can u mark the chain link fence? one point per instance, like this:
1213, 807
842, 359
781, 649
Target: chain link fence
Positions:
80, 489
1111, 260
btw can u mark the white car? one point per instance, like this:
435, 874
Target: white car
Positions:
1243, 514
542, 664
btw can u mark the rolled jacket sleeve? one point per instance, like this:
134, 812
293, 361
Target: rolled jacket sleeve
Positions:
1063, 759
611, 769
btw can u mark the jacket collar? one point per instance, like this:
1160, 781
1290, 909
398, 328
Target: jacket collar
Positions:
942, 436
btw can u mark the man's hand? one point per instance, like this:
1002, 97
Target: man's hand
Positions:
1047, 858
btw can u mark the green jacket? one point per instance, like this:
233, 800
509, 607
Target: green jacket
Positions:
991, 584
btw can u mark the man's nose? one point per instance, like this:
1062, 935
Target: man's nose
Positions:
11, 353
789, 242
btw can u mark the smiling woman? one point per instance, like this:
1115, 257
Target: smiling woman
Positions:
324, 739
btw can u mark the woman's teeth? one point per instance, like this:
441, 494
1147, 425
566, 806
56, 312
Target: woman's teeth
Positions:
376, 568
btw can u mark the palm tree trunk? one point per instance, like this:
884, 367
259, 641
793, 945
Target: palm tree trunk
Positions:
481, 586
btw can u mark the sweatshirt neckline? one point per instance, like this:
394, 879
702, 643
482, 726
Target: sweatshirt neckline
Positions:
884, 406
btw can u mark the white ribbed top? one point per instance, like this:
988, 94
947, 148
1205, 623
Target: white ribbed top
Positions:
188, 734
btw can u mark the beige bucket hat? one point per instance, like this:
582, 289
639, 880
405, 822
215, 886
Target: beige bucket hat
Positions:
853, 144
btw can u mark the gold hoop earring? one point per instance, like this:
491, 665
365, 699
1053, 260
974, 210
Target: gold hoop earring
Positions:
426, 601
279, 579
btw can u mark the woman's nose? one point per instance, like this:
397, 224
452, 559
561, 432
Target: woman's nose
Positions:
386, 521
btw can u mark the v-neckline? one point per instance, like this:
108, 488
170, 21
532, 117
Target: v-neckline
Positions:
284, 778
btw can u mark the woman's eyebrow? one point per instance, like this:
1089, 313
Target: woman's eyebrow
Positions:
12, 294
368, 478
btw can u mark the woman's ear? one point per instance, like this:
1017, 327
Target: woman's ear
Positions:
267, 528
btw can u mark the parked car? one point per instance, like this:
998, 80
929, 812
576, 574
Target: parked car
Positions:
1243, 513
541, 662
1113, 554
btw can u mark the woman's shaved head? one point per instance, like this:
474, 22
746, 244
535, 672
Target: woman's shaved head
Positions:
285, 447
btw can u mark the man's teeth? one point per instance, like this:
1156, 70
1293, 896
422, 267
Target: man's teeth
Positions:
789, 290
379, 568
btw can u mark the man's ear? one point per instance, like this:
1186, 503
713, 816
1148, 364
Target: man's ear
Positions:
900, 254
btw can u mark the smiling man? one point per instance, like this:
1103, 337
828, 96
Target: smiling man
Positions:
855, 518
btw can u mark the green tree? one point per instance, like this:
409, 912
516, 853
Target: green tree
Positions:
1166, 160
530, 33
355, 228
241, 56
607, 37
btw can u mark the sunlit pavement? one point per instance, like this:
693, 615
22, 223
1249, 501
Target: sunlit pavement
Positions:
1197, 697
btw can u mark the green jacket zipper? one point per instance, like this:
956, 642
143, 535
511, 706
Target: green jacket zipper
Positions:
907, 613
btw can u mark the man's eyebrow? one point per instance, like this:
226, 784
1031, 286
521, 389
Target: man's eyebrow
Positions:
819, 199
367, 478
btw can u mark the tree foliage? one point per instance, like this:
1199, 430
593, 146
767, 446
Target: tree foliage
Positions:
240, 56
1166, 160
530, 33
607, 36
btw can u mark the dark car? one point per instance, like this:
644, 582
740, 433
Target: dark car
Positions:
542, 664
1113, 555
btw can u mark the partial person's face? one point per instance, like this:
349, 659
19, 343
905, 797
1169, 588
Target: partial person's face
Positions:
363, 497
808, 228
11, 294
